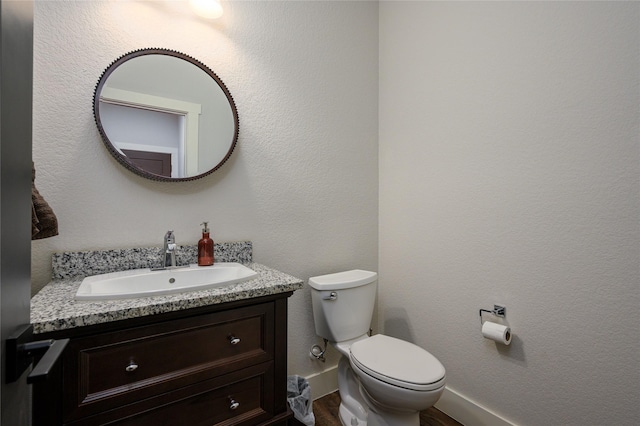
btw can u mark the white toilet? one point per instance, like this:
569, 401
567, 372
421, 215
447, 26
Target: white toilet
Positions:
383, 381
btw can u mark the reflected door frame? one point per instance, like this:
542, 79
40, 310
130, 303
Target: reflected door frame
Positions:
190, 111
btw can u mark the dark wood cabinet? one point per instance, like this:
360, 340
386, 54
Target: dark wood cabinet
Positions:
223, 364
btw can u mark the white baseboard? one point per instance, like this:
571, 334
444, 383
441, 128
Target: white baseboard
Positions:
468, 412
451, 403
323, 383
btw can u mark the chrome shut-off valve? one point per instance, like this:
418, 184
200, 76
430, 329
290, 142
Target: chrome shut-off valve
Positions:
317, 352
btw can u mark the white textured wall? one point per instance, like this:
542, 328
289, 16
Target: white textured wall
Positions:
302, 183
509, 159
510, 171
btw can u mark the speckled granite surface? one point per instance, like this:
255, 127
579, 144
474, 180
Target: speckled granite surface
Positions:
85, 263
55, 308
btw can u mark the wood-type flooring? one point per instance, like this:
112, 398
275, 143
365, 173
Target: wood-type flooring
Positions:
325, 410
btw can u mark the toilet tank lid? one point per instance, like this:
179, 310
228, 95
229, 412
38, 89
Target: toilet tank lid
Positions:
342, 280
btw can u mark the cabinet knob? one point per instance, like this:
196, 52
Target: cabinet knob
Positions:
131, 367
234, 405
234, 340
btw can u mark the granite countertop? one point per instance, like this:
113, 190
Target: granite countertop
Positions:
55, 308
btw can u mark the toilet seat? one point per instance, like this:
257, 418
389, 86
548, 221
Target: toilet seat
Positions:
398, 362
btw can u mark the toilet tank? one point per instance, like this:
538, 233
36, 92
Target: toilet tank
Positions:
343, 304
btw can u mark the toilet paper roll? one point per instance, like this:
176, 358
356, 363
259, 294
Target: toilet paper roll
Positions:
496, 332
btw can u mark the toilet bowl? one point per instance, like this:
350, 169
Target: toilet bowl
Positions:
382, 380
397, 374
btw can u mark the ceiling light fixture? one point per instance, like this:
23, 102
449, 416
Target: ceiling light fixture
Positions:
210, 9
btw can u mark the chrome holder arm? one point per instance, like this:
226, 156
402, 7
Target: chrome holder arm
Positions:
498, 310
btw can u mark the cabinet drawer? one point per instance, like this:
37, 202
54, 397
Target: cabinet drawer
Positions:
145, 361
237, 398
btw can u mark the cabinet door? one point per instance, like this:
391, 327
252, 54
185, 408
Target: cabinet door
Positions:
110, 370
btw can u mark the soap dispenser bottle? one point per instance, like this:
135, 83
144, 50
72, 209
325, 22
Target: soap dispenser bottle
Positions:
205, 247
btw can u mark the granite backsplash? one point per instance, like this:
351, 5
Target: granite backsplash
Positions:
80, 264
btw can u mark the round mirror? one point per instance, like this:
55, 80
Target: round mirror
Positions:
165, 116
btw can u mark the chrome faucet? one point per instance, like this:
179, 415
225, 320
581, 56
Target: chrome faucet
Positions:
169, 250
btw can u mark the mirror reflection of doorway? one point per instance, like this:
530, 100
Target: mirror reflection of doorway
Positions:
148, 137
157, 163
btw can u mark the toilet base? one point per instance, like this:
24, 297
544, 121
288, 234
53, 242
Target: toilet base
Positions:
381, 416
353, 410
357, 409
348, 418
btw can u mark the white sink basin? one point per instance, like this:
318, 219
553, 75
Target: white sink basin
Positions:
145, 282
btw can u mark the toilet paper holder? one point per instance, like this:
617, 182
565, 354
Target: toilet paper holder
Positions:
498, 310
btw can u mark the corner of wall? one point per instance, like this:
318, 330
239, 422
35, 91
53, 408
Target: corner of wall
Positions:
323, 383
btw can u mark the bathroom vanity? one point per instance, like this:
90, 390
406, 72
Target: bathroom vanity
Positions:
209, 357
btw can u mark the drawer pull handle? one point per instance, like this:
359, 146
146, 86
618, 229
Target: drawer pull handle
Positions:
234, 405
131, 367
234, 340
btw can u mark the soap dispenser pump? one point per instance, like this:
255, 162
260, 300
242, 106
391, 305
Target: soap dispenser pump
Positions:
205, 247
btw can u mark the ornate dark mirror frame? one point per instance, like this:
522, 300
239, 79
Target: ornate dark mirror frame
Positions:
122, 159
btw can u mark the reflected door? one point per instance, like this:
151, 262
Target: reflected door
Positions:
157, 163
